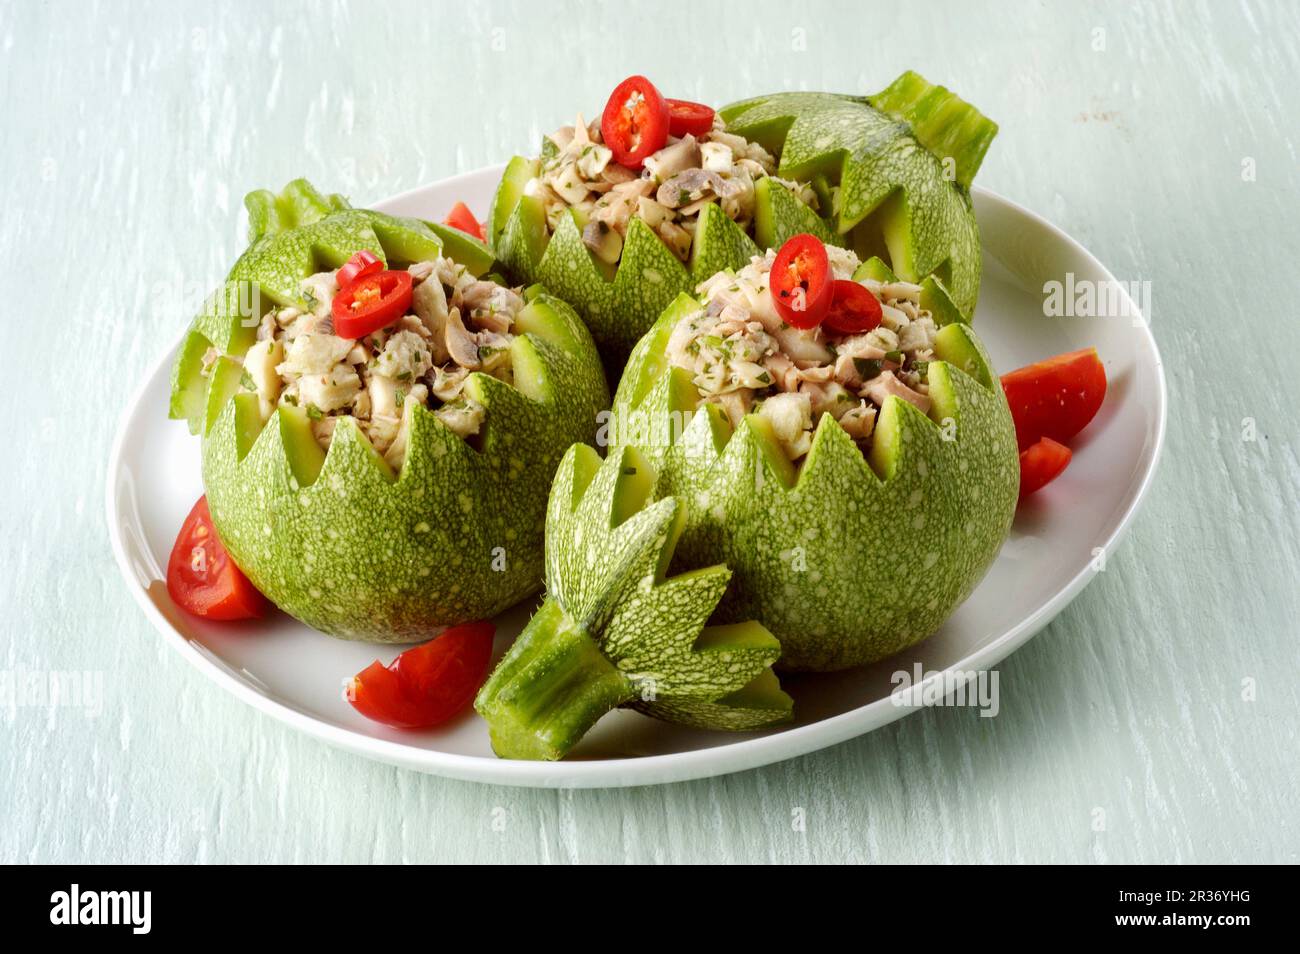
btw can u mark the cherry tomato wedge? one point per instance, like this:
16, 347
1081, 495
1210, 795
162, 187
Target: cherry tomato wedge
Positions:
361, 265
1040, 464
635, 122
428, 684
201, 577
371, 303
1055, 398
853, 310
460, 217
801, 281
686, 117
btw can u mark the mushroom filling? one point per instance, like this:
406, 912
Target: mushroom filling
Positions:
745, 359
673, 187
456, 325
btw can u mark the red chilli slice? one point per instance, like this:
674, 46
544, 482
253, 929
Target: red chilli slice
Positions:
801, 281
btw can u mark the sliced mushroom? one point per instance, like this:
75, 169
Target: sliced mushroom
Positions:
603, 240
614, 174
672, 159
689, 186
460, 343
429, 302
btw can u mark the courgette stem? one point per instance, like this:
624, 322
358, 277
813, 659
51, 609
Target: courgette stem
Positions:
551, 687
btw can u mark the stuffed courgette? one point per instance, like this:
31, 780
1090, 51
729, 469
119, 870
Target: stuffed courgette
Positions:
858, 475
619, 223
377, 441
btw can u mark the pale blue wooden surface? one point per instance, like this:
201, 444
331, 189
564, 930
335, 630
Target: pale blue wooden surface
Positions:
131, 132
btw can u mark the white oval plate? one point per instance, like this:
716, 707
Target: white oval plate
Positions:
295, 674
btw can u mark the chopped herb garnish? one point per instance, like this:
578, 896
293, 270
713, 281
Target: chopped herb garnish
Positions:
400, 397
867, 368
314, 412
246, 382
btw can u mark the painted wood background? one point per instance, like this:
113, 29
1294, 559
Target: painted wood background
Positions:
1155, 720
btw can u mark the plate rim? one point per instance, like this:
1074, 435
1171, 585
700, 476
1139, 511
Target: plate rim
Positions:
746, 752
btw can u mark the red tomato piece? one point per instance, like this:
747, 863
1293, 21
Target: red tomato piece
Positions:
428, 684
685, 117
361, 265
1040, 464
460, 217
201, 577
801, 281
367, 305
1055, 398
635, 122
853, 310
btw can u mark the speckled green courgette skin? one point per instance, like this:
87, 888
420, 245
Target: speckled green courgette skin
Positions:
910, 161
904, 170
848, 561
346, 545
616, 629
